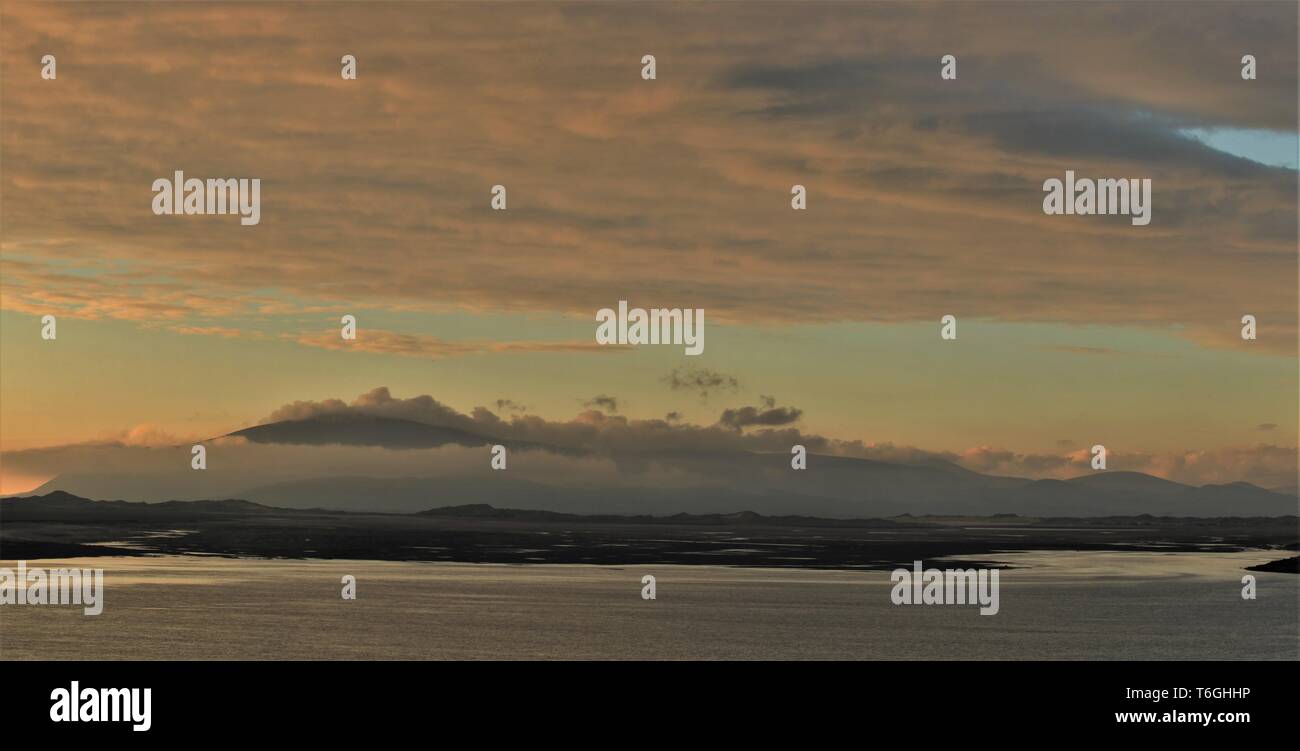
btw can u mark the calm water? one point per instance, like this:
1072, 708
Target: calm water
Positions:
1057, 605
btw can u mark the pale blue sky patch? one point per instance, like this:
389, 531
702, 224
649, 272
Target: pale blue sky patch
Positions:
1271, 147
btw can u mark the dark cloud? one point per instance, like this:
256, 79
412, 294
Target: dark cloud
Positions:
767, 415
602, 401
701, 380
592, 431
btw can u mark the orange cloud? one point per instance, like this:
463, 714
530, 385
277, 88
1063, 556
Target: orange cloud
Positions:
924, 194
417, 345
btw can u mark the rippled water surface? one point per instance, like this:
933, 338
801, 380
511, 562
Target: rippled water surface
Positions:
1052, 605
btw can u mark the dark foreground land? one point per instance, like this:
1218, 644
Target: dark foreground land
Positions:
61, 525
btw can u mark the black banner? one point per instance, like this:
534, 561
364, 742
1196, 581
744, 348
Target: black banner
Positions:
373, 700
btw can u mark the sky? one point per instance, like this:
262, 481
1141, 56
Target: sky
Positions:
924, 200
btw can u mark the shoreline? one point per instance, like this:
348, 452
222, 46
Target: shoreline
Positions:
1288, 565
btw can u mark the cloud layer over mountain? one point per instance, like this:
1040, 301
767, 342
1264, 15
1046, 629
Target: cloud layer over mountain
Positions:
606, 447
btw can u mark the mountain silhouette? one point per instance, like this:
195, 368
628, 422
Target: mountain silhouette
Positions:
660, 482
832, 487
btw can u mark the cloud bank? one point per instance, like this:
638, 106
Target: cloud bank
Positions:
923, 194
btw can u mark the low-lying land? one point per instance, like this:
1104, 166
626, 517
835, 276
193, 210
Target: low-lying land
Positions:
61, 525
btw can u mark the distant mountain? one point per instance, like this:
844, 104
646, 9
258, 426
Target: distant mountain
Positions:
738, 519
60, 505
1134, 484
68, 508
657, 482
831, 487
405, 494
151, 487
413, 494
835, 487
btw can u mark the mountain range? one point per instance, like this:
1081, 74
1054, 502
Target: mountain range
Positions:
658, 482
